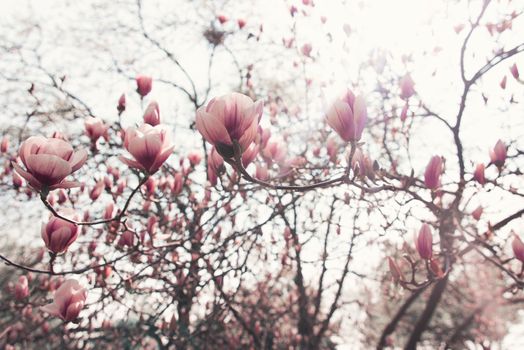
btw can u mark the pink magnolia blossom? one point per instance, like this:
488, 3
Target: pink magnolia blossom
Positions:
59, 234
407, 87
21, 289
348, 116
498, 154
514, 71
95, 128
152, 114
424, 242
227, 119
150, 147
48, 161
478, 175
518, 248
144, 84
68, 301
121, 104
433, 173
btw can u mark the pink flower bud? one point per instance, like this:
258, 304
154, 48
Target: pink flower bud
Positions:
306, 49
150, 147
69, 300
433, 173
241, 23
48, 161
97, 190
108, 211
22, 288
514, 71
4, 146
498, 154
152, 114
121, 104
144, 84
477, 213
222, 19
503, 82
59, 234
348, 117
518, 248
424, 242
407, 87
478, 175
194, 158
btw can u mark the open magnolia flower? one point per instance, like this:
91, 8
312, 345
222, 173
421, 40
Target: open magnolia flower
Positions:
150, 147
348, 116
48, 161
68, 301
227, 119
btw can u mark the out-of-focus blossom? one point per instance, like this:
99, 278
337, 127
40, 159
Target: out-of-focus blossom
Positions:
48, 161
306, 49
424, 242
4, 146
395, 271
503, 82
407, 87
21, 288
477, 213
150, 147
478, 175
348, 116
121, 106
95, 128
144, 84
433, 173
518, 248
215, 166
222, 19
241, 23
249, 154
127, 239
69, 300
152, 114
229, 118
514, 71
59, 234
498, 154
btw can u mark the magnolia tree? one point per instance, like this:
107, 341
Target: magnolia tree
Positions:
210, 175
